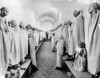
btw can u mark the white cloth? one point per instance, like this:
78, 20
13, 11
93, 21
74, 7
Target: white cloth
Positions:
15, 46
41, 36
4, 47
32, 44
36, 34
25, 42
94, 44
32, 51
53, 42
80, 59
64, 33
22, 47
78, 31
60, 46
70, 42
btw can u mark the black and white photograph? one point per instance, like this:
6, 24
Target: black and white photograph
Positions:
49, 38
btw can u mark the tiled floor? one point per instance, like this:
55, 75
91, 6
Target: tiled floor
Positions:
46, 61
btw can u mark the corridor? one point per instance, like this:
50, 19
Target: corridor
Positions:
46, 61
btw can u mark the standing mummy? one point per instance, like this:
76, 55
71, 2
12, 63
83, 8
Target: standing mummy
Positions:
70, 39
78, 31
22, 42
53, 41
60, 45
3, 43
32, 44
64, 33
15, 43
94, 39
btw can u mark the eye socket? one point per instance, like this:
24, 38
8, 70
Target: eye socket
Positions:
6, 12
90, 12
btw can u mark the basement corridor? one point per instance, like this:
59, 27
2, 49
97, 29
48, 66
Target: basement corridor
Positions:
46, 61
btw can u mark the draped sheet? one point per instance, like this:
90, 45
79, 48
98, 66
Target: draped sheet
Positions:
12, 48
53, 41
32, 43
25, 34
79, 33
4, 47
94, 44
4, 52
64, 33
37, 37
15, 46
60, 46
70, 42
58, 33
56, 37
22, 47
41, 37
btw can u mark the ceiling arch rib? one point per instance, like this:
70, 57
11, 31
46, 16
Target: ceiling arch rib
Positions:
52, 22
48, 18
42, 20
47, 25
49, 15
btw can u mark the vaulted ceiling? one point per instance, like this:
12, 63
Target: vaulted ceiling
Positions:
43, 13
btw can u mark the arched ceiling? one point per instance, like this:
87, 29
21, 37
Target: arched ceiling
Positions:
46, 18
47, 25
48, 15
52, 22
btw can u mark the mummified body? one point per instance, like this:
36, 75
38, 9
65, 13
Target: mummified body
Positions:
80, 62
4, 48
94, 39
